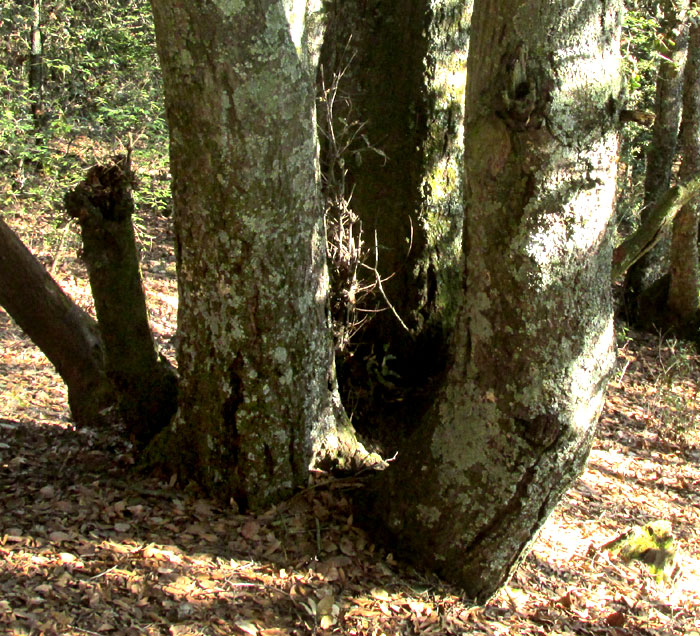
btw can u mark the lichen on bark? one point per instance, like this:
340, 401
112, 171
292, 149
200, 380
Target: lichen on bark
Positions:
258, 400
684, 279
533, 346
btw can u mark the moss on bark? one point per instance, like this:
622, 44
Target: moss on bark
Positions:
403, 67
662, 150
684, 287
533, 348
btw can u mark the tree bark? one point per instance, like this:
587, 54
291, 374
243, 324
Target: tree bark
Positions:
402, 69
258, 399
512, 427
661, 216
147, 386
684, 285
36, 66
662, 150
64, 332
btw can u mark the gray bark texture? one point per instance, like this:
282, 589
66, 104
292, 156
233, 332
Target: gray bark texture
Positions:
36, 62
684, 284
258, 400
662, 150
533, 349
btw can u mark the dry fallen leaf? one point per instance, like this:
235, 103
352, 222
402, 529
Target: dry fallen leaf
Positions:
47, 492
615, 619
325, 605
247, 627
250, 529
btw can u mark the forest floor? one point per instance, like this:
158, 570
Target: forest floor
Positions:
89, 546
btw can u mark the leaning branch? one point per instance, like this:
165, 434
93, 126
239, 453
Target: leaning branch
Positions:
648, 234
641, 117
64, 332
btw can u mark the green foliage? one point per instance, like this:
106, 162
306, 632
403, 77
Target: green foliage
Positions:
679, 364
101, 88
641, 45
101, 67
641, 37
622, 334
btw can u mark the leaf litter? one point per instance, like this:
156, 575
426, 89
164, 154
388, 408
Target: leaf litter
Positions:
88, 546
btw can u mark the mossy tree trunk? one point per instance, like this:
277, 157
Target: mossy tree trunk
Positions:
659, 218
402, 69
67, 336
258, 400
147, 385
662, 150
512, 427
684, 284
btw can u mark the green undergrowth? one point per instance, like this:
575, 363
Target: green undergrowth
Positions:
651, 544
101, 94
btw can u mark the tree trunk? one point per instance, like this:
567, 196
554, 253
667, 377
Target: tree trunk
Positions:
36, 66
64, 332
402, 69
147, 386
258, 400
662, 150
512, 427
684, 286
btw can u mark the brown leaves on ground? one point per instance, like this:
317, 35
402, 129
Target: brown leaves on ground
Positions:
87, 546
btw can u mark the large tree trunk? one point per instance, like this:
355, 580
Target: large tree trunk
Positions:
147, 386
533, 349
64, 332
258, 400
402, 70
684, 285
662, 150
